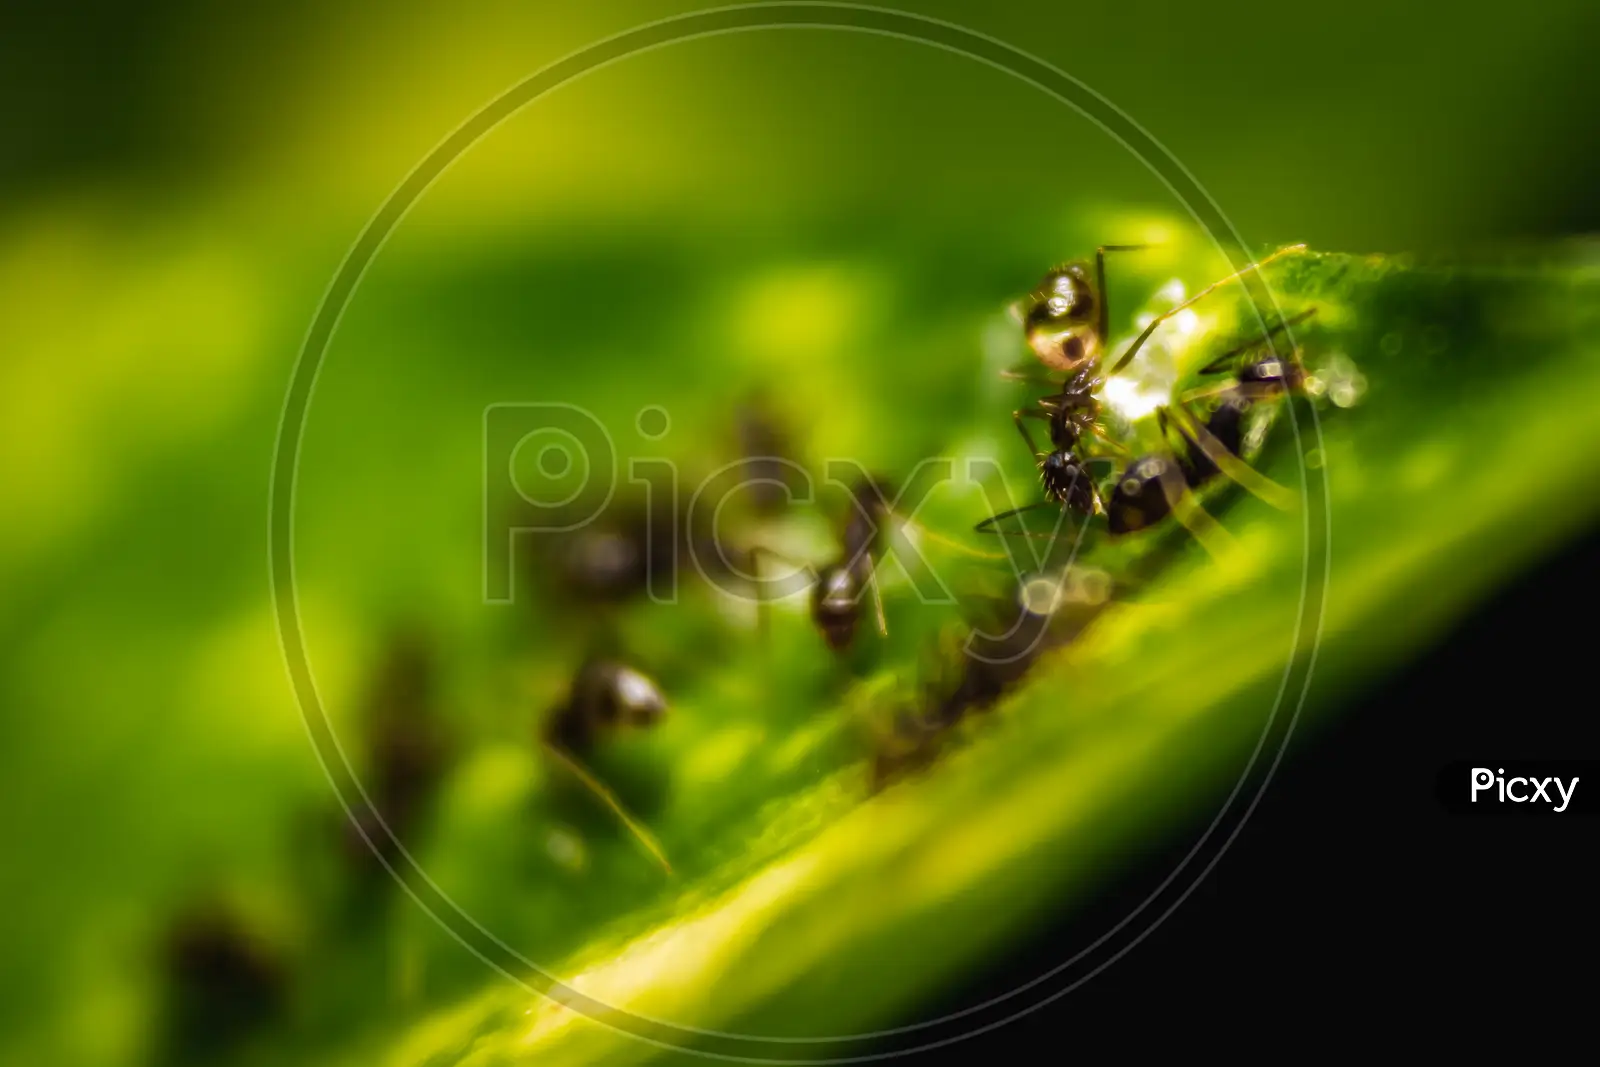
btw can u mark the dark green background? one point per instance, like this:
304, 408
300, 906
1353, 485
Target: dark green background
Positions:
179, 182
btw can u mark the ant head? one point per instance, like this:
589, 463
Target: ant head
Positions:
1059, 318
834, 604
1272, 371
609, 694
639, 701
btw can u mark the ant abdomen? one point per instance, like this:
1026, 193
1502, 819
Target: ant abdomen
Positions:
1141, 498
1066, 482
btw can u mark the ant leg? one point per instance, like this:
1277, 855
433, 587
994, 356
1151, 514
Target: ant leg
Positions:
1022, 428
1213, 537
1138, 342
598, 788
1098, 432
1162, 421
763, 610
1253, 391
987, 525
1110, 462
1206, 392
1229, 464
1031, 373
877, 601
1220, 363
1103, 312
940, 539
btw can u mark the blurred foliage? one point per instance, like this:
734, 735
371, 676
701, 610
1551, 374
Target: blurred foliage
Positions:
845, 231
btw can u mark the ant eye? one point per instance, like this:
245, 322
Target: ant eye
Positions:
1072, 348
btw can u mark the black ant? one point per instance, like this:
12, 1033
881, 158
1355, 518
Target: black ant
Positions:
837, 586
1065, 320
606, 696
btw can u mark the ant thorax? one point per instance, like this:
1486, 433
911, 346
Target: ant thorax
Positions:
1074, 410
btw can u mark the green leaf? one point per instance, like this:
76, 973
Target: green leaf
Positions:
803, 907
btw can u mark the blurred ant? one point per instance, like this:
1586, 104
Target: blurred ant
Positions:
1000, 641
613, 558
1065, 321
605, 697
225, 980
407, 749
633, 547
766, 447
638, 544
837, 586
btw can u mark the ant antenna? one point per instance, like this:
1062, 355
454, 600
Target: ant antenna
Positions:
1103, 312
953, 545
877, 600
1138, 342
1239, 350
598, 788
988, 525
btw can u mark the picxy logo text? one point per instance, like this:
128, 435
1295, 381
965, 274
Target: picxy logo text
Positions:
1500, 788
1522, 789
